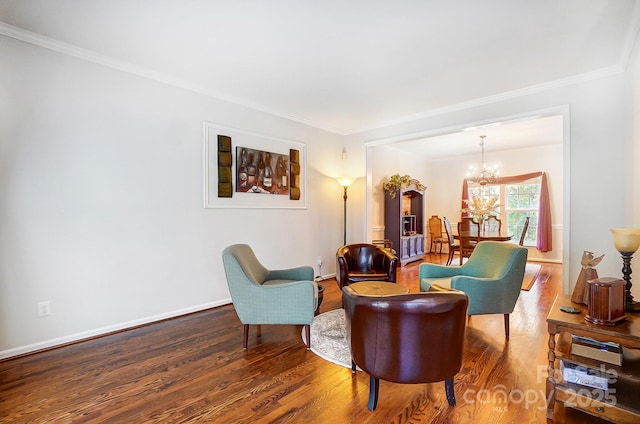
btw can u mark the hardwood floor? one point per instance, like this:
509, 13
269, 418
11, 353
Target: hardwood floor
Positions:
193, 369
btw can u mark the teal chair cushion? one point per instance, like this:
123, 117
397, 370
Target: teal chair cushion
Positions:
491, 277
263, 296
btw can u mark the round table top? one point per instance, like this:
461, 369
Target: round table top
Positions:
378, 288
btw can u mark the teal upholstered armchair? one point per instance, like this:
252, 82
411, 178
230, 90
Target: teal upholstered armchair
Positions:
491, 278
263, 296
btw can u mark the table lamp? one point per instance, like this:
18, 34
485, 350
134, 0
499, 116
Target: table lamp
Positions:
627, 241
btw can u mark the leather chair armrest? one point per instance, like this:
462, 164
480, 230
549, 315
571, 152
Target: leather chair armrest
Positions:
388, 263
342, 272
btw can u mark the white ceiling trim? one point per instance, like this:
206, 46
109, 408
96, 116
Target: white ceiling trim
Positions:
123, 66
534, 114
93, 57
576, 79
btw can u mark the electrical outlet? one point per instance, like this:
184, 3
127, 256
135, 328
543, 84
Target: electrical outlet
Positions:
44, 308
319, 262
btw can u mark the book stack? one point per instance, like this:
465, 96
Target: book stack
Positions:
594, 349
578, 374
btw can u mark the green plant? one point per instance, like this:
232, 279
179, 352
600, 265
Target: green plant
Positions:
396, 182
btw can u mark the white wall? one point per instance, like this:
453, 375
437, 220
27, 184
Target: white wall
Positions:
634, 219
101, 209
389, 161
598, 168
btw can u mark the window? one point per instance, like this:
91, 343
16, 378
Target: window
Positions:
517, 201
523, 200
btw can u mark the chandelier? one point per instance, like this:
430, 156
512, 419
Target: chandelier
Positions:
484, 174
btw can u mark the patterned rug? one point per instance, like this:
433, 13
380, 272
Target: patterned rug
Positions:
328, 334
329, 339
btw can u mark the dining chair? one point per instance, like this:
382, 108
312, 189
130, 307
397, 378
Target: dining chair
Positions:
492, 226
469, 236
435, 233
453, 247
525, 227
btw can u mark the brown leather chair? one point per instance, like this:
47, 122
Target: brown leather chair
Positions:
408, 338
365, 262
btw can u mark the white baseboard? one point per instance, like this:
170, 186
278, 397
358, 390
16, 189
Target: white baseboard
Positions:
325, 277
72, 338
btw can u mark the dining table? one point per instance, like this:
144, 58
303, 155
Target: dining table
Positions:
486, 237
481, 238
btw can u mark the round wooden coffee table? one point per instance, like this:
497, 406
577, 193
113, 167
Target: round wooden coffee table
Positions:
378, 288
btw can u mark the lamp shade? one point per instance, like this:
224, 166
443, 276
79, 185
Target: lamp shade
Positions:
345, 182
626, 239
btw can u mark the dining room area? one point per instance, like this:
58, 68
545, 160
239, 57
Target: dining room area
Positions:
528, 183
468, 233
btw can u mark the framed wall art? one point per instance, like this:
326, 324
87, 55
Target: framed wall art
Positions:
249, 170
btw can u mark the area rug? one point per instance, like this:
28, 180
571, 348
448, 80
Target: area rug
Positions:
329, 338
530, 276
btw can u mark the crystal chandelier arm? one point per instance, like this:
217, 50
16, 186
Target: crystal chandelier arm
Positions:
484, 174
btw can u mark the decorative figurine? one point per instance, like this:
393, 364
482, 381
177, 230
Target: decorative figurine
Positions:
588, 272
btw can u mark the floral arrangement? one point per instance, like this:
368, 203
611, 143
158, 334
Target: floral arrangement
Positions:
481, 208
396, 182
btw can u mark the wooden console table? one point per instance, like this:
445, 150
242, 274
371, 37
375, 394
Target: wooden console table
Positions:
621, 405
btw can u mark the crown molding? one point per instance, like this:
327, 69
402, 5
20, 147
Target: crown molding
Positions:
120, 65
104, 60
576, 79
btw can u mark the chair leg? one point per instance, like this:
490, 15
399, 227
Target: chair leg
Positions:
448, 389
353, 367
506, 326
307, 333
374, 386
245, 338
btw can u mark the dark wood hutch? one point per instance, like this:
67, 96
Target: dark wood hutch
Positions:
404, 223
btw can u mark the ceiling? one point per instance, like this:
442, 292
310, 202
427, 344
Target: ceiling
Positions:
533, 131
344, 66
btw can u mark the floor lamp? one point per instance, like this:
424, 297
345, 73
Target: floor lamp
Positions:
345, 183
627, 241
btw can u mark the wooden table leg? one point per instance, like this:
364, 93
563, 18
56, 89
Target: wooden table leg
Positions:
551, 382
